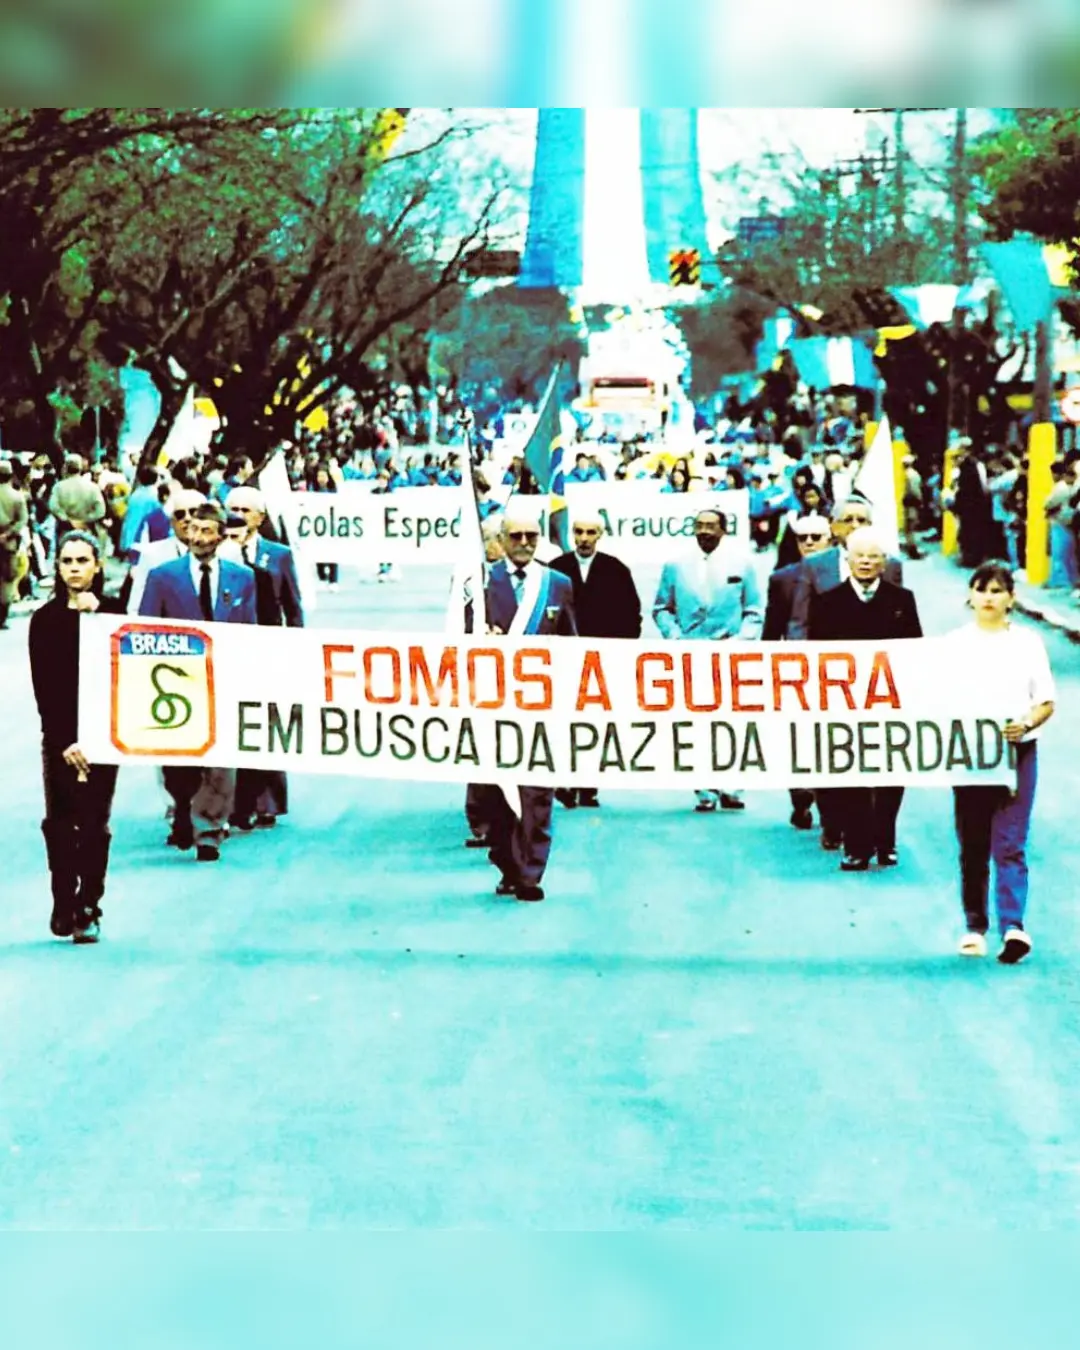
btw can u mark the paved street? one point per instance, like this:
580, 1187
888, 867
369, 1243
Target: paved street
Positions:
703, 1026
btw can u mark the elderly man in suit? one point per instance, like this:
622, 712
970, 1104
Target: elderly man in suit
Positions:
606, 605
812, 534
828, 569
182, 504
262, 795
523, 596
710, 595
866, 607
202, 588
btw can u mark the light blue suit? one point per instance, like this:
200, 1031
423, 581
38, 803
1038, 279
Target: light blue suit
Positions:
728, 605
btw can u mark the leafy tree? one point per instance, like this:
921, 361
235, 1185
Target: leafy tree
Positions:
1028, 175
507, 340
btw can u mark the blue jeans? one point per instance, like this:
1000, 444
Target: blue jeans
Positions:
993, 822
1062, 556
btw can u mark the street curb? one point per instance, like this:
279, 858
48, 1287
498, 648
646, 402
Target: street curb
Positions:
1069, 624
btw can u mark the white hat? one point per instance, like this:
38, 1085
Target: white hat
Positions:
814, 524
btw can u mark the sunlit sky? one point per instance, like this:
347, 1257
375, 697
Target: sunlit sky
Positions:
761, 142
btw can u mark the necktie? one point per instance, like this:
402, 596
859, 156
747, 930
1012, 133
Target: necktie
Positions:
519, 583
206, 600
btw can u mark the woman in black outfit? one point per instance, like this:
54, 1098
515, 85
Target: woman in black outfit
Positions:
78, 795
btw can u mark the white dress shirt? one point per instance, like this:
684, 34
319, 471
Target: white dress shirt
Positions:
866, 593
584, 564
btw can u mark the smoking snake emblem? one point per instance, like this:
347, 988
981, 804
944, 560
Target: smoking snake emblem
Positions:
177, 708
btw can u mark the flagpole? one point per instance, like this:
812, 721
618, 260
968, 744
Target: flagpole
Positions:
473, 585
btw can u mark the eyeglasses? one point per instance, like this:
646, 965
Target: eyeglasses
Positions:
520, 536
811, 538
181, 514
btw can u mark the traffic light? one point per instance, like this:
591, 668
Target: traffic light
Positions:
685, 267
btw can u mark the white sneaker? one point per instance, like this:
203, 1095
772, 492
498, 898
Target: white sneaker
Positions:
1015, 945
973, 944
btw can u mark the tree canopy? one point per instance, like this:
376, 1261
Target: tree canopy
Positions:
268, 258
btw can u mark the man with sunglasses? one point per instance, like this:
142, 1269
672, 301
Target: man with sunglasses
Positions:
523, 596
181, 507
813, 536
826, 570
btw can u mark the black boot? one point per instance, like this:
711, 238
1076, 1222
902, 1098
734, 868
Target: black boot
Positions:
4, 610
93, 865
61, 849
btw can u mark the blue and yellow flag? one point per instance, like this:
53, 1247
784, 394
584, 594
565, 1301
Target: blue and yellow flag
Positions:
543, 457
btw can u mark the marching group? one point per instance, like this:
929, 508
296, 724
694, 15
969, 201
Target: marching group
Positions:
198, 548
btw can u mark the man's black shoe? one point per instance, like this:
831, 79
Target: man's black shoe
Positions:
830, 844
587, 798
530, 893
182, 836
506, 887
476, 841
62, 923
566, 797
803, 820
87, 928
265, 820
207, 853
888, 858
244, 823
731, 803
850, 864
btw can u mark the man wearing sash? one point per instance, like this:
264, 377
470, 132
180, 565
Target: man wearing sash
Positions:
523, 596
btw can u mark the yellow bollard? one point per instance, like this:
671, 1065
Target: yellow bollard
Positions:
899, 450
1042, 451
950, 539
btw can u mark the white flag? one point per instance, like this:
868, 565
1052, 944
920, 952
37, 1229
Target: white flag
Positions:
876, 481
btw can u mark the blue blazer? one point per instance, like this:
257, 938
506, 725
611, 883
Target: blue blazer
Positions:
170, 593
556, 615
277, 561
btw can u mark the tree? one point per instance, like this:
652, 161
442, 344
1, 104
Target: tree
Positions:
505, 342
66, 180
1027, 175
270, 259
721, 333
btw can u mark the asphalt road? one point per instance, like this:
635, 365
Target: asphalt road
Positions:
704, 1026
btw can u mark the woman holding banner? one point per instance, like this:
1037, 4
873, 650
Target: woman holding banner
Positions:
78, 795
993, 822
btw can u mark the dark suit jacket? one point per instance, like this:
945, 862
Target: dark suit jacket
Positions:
501, 601
170, 593
782, 585
819, 573
277, 588
840, 613
607, 605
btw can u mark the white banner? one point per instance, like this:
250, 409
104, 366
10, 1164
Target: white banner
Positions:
423, 525
543, 711
355, 526
643, 524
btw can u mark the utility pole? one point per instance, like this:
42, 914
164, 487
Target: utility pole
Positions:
899, 184
960, 196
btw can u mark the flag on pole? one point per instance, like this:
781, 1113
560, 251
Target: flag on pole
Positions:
467, 613
544, 459
876, 481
